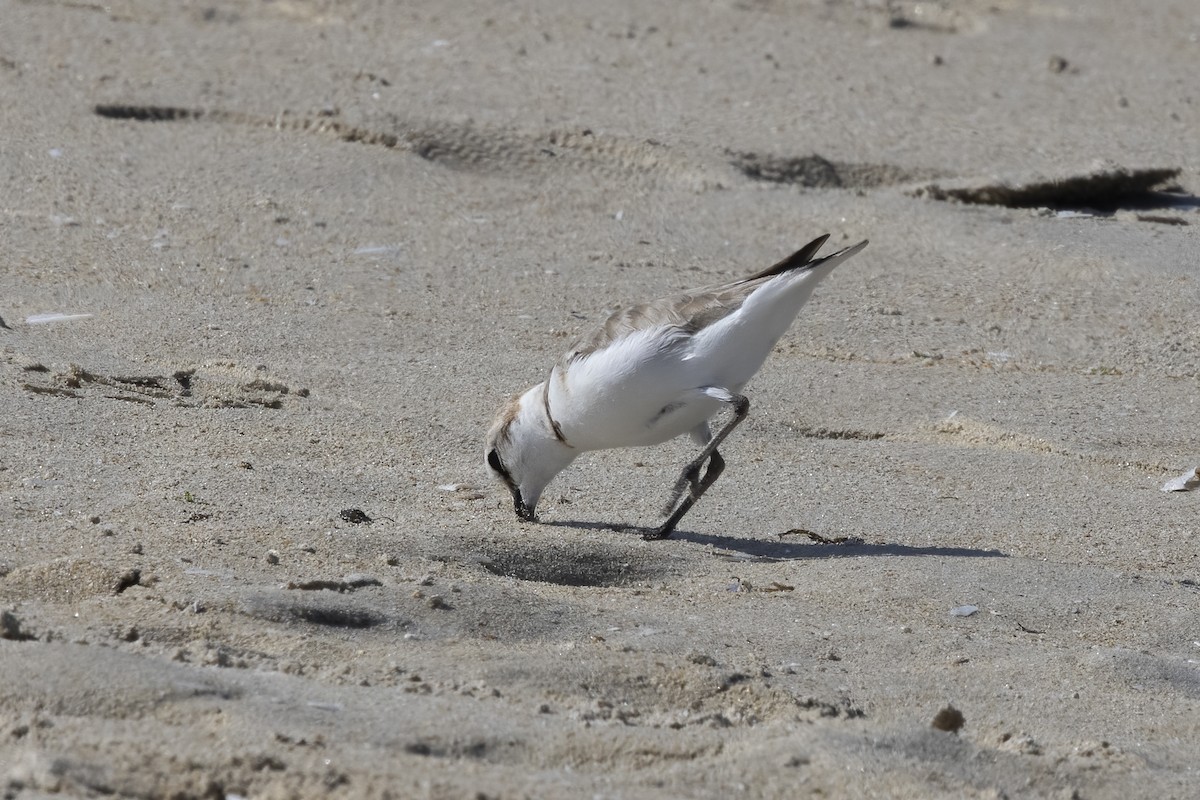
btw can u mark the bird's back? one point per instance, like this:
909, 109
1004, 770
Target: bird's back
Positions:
647, 356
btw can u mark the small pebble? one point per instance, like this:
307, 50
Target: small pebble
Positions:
949, 719
355, 516
10, 627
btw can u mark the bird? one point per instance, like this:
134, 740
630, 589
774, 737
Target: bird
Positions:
650, 373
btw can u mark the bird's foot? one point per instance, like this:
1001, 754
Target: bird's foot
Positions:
662, 532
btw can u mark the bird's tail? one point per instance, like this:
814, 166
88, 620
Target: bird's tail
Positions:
804, 259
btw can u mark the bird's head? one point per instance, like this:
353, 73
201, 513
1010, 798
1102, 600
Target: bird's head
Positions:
524, 452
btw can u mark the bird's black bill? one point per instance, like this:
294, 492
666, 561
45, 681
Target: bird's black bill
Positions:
524, 513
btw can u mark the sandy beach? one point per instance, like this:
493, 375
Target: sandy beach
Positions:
270, 268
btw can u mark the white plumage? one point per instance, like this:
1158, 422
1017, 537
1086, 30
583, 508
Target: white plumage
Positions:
653, 372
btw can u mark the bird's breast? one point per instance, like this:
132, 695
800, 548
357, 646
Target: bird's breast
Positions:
633, 396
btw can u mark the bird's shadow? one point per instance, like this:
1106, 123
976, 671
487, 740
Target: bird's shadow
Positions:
779, 550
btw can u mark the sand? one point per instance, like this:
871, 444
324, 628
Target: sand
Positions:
308, 294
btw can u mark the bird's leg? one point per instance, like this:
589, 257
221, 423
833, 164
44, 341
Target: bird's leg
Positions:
690, 477
716, 465
688, 480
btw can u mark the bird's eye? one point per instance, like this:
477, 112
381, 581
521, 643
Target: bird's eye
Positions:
493, 460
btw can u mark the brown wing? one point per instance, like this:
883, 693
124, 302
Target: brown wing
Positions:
688, 312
